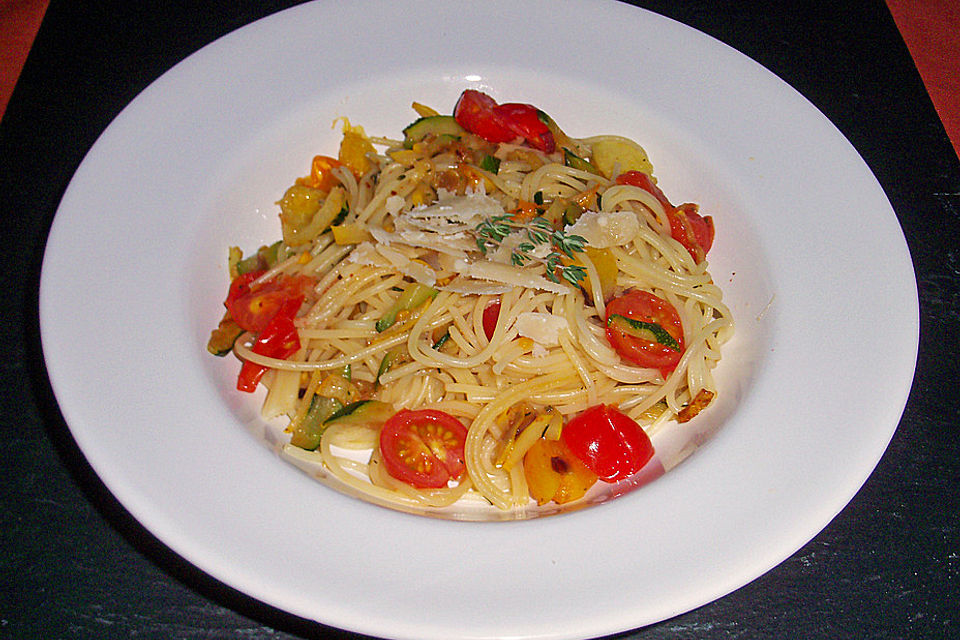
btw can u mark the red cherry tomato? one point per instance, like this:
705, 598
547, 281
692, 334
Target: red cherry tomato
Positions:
689, 228
253, 306
478, 113
608, 442
267, 308
693, 231
240, 286
491, 315
524, 120
475, 111
423, 448
279, 339
646, 308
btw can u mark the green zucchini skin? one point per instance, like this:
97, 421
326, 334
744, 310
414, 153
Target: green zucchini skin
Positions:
437, 125
362, 412
413, 296
308, 434
573, 160
645, 330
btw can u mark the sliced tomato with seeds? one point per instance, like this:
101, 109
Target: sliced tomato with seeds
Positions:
646, 330
254, 305
240, 286
693, 231
268, 309
424, 448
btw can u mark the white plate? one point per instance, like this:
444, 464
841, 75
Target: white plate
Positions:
808, 251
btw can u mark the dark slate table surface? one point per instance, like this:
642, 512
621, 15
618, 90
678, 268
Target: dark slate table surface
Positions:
74, 564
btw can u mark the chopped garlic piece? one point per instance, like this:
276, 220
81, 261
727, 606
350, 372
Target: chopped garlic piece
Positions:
394, 204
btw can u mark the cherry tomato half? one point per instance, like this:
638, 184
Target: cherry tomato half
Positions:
423, 448
279, 339
475, 111
693, 231
524, 120
608, 442
321, 174
240, 286
253, 306
491, 316
661, 352
689, 228
478, 113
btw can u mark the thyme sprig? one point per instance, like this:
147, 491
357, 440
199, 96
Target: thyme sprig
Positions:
537, 231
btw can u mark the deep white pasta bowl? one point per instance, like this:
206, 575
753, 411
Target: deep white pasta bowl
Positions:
788, 443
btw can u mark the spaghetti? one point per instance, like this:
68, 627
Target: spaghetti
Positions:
488, 268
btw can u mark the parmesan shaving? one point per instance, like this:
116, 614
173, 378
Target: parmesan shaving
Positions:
366, 254
416, 269
606, 229
508, 274
466, 286
543, 328
444, 227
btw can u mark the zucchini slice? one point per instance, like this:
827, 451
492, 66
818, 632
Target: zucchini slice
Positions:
413, 296
308, 433
371, 412
437, 125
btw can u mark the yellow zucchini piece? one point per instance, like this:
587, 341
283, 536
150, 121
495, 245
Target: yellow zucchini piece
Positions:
306, 212
222, 338
424, 111
606, 266
350, 233
353, 152
554, 473
612, 152
234, 257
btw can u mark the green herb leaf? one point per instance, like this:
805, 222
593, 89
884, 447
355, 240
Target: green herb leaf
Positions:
574, 274
538, 231
491, 164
